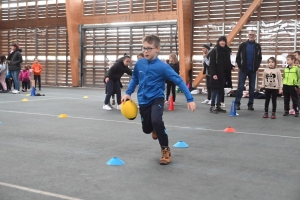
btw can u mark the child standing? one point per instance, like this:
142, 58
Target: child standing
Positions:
25, 78
273, 86
8, 80
3, 73
150, 74
291, 82
37, 70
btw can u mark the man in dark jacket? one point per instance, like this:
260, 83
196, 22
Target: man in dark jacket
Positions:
248, 60
113, 80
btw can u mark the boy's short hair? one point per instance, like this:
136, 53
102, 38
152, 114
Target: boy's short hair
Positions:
152, 39
292, 57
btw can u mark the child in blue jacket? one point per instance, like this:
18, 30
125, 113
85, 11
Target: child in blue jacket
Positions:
150, 73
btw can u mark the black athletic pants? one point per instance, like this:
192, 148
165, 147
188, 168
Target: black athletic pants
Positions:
290, 92
268, 94
37, 78
113, 87
151, 117
208, 87
171, 85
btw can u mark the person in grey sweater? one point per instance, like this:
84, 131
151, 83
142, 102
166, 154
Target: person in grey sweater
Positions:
15, 59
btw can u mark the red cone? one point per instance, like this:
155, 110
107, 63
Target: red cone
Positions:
229, 130
171, 103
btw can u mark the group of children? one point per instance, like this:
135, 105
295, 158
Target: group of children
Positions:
288, 84
6, 78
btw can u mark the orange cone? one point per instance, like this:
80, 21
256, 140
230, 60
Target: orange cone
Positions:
229, 130
171, 103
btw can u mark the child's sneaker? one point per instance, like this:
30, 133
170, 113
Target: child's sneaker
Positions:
292, 112
297, 114
273, 116
286, 113
154, 136
222, 105
165, 156
205, 101
265, 115
209, 102
106, 107
119, 107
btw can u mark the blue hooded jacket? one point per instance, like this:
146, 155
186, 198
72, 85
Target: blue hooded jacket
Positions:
151, 75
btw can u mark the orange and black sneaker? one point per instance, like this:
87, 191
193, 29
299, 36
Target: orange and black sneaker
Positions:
165, 156
154, 136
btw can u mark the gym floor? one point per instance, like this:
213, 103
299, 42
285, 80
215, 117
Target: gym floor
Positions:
44, 157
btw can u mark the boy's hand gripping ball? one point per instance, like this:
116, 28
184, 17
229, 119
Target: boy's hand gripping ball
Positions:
129, 109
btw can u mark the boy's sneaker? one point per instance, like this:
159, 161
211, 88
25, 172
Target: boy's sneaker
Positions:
286, 113
222, 105
273, 116
209, 102
113, 102
154, 136
237, 107
297, 114
205, 101
165, 156
119, 107
106, 107
265, 115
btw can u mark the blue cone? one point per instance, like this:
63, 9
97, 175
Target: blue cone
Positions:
181, 144
0, 122
32, 91
115, 161
233, 110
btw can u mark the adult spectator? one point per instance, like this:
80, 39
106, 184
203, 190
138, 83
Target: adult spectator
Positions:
15, 60
248, 60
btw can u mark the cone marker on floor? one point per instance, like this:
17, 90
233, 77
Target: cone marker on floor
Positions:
25, 99
115, 161
0, 122
171, 104
229, 130
63, 116
233, 110
181, 144
32, 91
85, 97
27, 95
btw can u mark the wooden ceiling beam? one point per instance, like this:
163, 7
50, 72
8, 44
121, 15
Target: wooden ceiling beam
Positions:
30, 23
244, 19
185, 29
74, 11
136, 17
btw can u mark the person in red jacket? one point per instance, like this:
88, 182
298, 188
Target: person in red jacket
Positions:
37, 70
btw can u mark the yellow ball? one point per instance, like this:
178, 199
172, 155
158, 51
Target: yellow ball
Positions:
129, 109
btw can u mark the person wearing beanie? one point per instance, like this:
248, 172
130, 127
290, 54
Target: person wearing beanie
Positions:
220, 73
248, 60
205, 63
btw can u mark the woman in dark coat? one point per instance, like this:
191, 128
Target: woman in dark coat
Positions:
15, 59
221, 67
113, 78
